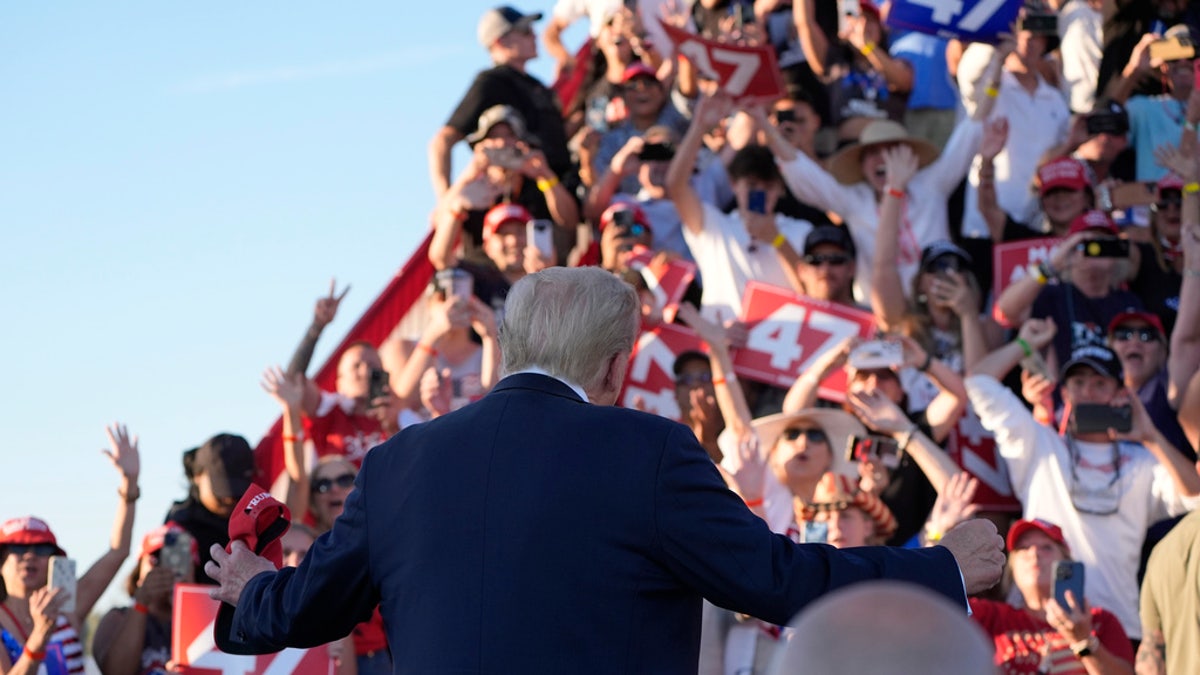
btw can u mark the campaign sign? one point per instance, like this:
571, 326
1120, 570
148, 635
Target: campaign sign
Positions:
651, 375
748, 74
195, 652
974, 449
969, 20
1010, 260
787, 332
666, 278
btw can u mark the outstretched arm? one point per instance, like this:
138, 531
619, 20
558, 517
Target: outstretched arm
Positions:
124, 457
323, 314
887, 290
288, 392
709, 111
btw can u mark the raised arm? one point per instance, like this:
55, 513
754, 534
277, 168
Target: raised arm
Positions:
444, 315
125, 458
1184, 357
995, 135
483, 321
562, 206
323, 314
947, 407
1016, 302
624, 163
552, 40
1034, 335
1137, 69
865, 37
288, 392
439, 157
813, 40
887, 290
709, 112
803, 392
882, 416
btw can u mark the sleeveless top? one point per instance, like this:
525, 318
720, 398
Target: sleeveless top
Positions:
64, 652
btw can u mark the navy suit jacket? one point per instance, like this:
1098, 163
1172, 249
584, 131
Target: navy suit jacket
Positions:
532, 532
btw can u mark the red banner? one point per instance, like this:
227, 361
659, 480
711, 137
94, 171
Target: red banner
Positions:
667, 281
787, 332
1010, 259
651, 375
974, 449
195, 652
748, 74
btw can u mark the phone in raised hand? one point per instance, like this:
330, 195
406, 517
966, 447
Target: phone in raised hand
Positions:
62, 575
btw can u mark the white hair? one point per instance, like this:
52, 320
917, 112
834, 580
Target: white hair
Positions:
568, 322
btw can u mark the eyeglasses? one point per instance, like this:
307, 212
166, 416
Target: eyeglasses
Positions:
40, 550
1142, 334
640, 83
323, 485
818, 259
693, 379
810, 435
1169, 201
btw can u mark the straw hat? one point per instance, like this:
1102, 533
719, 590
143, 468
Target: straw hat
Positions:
846, 166
838, 493
838, 426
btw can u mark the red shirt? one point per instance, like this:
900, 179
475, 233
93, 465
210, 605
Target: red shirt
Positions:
1027, 644
336, 430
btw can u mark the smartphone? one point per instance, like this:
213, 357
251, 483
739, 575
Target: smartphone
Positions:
1091, 418
540, 235
743, 14
1068, 576
455, 283
1105, 248
876, 355
756, 201
1172, 49
1107, 123
176, 553
815, 532
785, 115
505, 158
1040, 24
62, 575
378, 384
623, 219
657, 152
874, 446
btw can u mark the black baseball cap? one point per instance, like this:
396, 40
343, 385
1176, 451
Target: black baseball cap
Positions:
829, 234
1098, 358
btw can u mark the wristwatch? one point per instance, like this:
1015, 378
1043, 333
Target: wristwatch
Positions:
1086, 647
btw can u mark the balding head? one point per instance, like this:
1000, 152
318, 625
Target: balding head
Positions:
885, 627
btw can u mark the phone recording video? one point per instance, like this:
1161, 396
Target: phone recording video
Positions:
657, 152
1092, 418
1104, 248
1068, 576
875, 447
176, 553
378, 384
1039, 24
756, 201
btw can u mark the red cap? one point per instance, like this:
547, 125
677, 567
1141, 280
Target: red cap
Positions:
1137, 315
157, 538
1049, 529
504, 213
638, 69
28, 530
639, 215
1063, 172
1169, 182
1093, 220
870, 8
258, 521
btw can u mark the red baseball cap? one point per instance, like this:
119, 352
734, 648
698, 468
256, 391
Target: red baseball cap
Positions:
1093, 220
639, 215
1049, 529
1168, 182
1063, 172
504, 213
638, 69
157, 538
28, 530
1137, 315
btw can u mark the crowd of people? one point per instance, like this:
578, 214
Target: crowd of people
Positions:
882, 181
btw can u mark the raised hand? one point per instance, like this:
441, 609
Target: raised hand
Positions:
436, 391
954, 292
483, 319
878, 412
901, 165
288, 392
979, 550
995, 136
1037, 390
45, 604
710, 110
954, 503
1179, 161
626, 162
327, 307
1038, 332
124, 453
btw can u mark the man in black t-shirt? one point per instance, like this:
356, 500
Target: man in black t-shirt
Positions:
508, 36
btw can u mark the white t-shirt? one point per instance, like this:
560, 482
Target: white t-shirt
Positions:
727, 259
1080, 28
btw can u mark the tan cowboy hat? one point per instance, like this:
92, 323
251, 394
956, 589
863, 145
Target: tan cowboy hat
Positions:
846, 165
838, 426
838, 493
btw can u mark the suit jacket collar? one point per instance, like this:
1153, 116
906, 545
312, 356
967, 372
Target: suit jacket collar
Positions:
545, 384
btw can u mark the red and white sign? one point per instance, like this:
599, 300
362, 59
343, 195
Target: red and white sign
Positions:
1010, 259
787, 332
748, 74
974, 449
667, 279
651, 375
195, 652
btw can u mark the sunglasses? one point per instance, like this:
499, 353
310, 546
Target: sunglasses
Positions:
810, 435
1142, 334
41, 550
693, 379
1169, 201
818, 259
323, 485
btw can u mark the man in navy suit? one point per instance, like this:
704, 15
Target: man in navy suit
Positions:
542, 530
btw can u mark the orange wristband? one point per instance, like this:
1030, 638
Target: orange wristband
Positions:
718, 380
427, 349
36, 656
140, 608
754, 502
898, 194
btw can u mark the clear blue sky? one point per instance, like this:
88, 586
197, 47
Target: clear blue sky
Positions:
178, 183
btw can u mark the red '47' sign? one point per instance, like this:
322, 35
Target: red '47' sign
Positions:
193, 649
748, 74
1010, 260
787, 332
667, 280
651, 375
